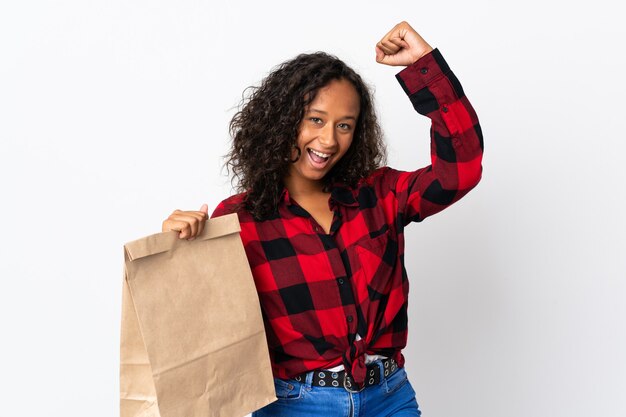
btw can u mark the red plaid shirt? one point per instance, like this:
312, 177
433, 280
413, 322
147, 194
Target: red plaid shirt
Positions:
318, 290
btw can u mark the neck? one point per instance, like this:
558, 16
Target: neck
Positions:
303, 188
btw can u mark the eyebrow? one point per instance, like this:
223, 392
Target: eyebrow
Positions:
323, 112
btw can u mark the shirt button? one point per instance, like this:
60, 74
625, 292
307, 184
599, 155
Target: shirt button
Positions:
317, 229
340, 281
424, 70
444, 109
349, 318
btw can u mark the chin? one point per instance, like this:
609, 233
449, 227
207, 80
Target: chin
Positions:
316, 177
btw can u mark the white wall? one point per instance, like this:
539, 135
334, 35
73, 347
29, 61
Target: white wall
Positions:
114, 113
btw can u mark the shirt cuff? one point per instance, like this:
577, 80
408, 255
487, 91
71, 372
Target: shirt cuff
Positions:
422, 72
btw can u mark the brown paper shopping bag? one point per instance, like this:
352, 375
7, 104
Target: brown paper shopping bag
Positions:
192, 336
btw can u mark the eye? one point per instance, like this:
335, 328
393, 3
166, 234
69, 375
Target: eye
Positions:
315, 120
344, 126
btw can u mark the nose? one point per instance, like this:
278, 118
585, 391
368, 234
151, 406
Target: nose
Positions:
327, 137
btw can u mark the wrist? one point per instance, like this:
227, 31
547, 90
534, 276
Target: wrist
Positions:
427, 50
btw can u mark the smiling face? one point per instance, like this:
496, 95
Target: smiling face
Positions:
325, 135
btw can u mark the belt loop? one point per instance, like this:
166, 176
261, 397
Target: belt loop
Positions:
308, 380
381, 370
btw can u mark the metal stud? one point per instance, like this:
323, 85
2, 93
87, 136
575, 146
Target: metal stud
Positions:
334, 375
322, 383
371, 381
335, 383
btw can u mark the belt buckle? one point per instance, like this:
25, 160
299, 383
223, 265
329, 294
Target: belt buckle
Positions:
348, 383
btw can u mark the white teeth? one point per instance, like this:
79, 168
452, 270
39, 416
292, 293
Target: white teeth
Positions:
321, 155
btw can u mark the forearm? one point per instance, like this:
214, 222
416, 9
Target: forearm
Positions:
456, 137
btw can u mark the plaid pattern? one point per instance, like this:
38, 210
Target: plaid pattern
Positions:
317, 290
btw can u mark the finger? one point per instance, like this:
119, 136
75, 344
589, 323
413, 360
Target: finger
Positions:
198, 215
393, 48
399, 42
177, 226
205, 210
383, 58
380, 48
380, 55
193, 224
192, 219
201, 217
169, 224
385, 48
390, 33
390, 46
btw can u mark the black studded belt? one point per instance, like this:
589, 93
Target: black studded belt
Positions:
342, 379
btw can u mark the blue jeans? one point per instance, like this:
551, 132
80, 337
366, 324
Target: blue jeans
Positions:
394, 396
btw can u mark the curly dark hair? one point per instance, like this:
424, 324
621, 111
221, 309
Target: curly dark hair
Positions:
265, 129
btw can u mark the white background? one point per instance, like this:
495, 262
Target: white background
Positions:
114, 113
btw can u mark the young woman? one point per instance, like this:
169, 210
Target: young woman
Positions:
323, 224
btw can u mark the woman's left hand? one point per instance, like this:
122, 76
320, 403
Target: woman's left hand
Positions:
401, 46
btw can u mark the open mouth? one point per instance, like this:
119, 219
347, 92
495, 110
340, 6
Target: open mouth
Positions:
319, 159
